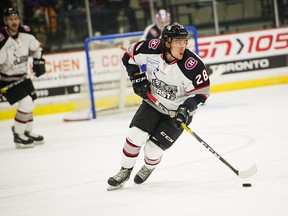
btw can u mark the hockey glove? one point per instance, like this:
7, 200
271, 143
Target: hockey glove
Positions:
182, 116
39, 67
140, 85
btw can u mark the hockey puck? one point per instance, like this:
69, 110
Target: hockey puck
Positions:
246, 185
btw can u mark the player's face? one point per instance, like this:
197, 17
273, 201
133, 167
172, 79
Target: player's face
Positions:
177, 47
12, 23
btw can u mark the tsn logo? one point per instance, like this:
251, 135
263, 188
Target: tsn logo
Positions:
166, 136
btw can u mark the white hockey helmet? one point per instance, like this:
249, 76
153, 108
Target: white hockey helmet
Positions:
162, 18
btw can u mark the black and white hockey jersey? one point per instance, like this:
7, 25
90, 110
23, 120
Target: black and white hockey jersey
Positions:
151, 32
14, 53
171, 83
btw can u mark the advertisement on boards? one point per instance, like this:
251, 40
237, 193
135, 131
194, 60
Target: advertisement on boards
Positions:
246, 52
229, 58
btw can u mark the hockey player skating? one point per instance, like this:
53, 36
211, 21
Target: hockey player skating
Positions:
178, 79
154, 31
16, 44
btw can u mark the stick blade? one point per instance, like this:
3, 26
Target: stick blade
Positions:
249, 172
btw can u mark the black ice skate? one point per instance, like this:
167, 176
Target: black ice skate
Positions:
38, 139
21, 141
142, 175
118, 180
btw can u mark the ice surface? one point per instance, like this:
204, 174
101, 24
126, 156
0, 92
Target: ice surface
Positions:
67, 175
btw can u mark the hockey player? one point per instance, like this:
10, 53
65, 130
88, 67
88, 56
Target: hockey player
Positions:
178, 79
153, 31
16, 44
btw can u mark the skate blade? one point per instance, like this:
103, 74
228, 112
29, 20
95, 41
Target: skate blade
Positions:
38, 142
23, 146
111, 188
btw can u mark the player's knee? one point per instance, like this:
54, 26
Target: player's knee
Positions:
26, 104
137, 136
152, 151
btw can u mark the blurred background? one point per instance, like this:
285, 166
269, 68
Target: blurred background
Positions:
63, 25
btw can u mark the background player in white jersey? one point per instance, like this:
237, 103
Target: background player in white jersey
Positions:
16, 44
153, 31
178, 79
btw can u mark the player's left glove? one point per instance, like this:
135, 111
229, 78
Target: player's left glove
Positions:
140, 85
39, 66
181, 116
185, 112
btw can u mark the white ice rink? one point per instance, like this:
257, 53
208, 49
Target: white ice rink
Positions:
67, 175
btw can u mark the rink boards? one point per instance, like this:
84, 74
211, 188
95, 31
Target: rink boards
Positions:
234, 61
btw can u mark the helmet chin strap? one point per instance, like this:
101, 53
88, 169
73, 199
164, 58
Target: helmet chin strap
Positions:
169, 51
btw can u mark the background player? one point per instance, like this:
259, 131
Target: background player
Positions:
16, 44
178, 79
162, 18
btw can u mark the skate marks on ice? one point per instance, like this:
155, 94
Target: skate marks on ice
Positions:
68, 174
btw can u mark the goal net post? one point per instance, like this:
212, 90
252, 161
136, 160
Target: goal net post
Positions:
108, 88
115, 45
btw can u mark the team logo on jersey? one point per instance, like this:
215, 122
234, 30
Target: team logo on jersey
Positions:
153, 44
190, 63
2, 37
163, 89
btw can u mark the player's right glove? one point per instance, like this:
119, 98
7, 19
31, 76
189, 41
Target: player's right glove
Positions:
140, 85
39, 67
182, 116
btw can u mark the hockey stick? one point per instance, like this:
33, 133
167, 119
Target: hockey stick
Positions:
242, 174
